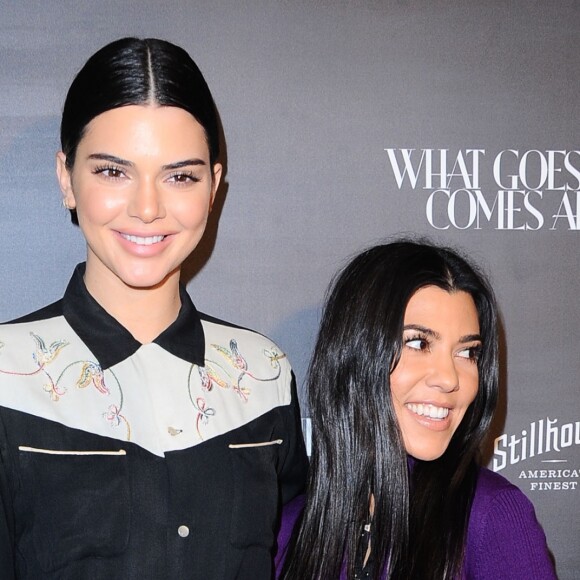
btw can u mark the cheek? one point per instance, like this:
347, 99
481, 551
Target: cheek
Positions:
96, 215
470, 386
192, 211
402, 380
97, 204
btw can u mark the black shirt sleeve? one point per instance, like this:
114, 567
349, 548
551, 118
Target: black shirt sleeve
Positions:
6, 512
294, 461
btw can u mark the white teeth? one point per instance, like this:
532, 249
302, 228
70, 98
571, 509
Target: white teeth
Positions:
143, 241
430, 411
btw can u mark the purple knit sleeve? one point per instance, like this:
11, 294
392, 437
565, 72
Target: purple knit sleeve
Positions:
504, 538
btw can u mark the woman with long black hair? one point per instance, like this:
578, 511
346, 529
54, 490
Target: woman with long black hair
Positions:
403, 385
140, 439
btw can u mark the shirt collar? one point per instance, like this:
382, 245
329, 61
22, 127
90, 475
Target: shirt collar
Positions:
112, 343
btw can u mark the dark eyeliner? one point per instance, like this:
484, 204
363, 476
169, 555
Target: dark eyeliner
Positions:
102, 168
417, 336
193, 178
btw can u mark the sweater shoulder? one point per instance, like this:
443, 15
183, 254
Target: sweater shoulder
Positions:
490, 485
504, 538
498, 503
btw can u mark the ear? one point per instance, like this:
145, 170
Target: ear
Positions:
216, 178
65, 181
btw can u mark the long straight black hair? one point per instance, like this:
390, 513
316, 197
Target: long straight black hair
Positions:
421, 514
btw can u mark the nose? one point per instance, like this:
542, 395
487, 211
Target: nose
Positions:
443, 374
146, 202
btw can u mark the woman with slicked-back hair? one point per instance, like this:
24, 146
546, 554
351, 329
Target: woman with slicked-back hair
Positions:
402, 389
139, 438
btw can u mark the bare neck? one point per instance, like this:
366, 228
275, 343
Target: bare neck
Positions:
144, 312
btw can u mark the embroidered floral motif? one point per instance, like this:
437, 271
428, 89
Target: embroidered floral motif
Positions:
115, 418
42, 357
91, 374
274, 357
238, 362
226, 369
210, 376
234, 357
52, 389
242, 392
229, 375
203, 414
45, 355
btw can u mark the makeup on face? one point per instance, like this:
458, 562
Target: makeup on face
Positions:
437, 376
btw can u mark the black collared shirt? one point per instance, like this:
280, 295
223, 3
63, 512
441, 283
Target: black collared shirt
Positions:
122, 460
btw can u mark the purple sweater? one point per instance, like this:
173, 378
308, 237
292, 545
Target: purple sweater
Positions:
504, 538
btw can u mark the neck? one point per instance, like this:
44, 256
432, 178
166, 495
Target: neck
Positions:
144, 312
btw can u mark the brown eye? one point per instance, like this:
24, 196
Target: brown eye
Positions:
183, 177
472, 353
417, 343
109, 171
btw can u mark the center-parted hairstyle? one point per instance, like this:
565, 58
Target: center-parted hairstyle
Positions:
133, 71
420, 514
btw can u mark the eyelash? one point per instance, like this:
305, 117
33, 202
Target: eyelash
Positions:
474, 353
101, 169
190, 177
417, 337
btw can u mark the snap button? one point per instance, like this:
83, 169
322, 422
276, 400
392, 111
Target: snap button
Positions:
183, 531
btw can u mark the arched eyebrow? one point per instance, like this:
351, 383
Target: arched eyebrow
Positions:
434, 334
422, 329
184, 163
126, 163
471, 338
111, 159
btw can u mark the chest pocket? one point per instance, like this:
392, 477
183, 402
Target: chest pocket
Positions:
255, 494
78, 502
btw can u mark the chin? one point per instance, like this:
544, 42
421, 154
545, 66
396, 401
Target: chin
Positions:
426, 454
143, 282
145, 278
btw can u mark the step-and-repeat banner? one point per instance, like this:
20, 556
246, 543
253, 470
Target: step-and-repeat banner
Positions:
346, 122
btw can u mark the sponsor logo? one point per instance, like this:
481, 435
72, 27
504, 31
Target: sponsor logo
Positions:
542, 437
509, 190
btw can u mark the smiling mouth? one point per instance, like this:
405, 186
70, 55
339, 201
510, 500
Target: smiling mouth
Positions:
430, 411
143, 241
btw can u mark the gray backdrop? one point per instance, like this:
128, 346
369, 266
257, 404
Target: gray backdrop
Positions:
335, 114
